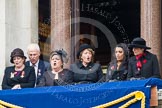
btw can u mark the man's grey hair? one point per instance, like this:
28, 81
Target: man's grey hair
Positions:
33, 46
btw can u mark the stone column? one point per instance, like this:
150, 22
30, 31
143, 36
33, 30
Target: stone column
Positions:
60, 25
3, 47
21, 24
151, 26
75, 29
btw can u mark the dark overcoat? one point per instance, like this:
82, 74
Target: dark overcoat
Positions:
117, 74
43, 66
25, 81
64, 78
90, 74
150, 68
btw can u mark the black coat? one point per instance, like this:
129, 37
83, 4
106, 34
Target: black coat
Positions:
149, 69
28, 81
90, 74
64, 78
114, 74
42, 67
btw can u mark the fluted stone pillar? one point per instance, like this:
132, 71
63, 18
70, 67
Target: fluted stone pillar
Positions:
151, 26
60, 25
21, 24
3, 39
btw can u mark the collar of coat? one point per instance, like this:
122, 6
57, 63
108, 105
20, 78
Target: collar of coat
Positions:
147, 57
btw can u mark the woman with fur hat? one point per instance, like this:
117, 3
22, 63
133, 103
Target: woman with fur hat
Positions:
118, 67
57, 75
85, 70
143, 64
18, 76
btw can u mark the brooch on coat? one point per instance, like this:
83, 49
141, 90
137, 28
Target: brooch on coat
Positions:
22, 74
39, 72
12, 75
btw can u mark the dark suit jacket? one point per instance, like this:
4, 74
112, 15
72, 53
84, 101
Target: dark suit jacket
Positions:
149, 69
42, 67
114, 74
64, 78
90, 74
28, 81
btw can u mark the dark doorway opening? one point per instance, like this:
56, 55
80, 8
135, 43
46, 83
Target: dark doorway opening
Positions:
120, 17
44, 28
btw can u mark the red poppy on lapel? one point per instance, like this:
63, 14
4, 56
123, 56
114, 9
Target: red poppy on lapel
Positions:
139, 65
144, 61
112, 67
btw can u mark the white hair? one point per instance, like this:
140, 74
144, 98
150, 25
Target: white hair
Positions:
33, 46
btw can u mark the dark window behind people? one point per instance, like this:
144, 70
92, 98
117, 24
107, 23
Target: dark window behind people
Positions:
85, 71
118, 67
18, 76
143, 64
57, 75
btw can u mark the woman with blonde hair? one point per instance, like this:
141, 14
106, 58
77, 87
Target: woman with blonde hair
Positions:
85, 70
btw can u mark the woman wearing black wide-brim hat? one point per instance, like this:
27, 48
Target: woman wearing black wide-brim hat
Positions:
85, 70
143, 64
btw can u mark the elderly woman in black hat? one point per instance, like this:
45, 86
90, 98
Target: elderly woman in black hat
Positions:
143, 64
118, 67
57, 75
18, 76
85, 70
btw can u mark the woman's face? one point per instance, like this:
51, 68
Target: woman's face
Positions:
18, 61
56, 63
138, 51
86, 56
119, 53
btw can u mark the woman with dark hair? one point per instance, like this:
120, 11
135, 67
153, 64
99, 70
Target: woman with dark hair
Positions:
57, 75
143, 64
85, 70
18, 76
118, 67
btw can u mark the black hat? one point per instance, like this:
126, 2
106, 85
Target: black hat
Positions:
138, 43
62, 53
17, 53
83, 47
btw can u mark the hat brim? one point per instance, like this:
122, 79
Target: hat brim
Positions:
138, 46
11, 60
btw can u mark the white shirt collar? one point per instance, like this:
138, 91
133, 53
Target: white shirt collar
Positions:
36, 65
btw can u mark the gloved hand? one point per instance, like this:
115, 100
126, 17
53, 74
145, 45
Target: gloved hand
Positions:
133, 78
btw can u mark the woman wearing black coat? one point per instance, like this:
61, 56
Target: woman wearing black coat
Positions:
143, 64
118, 67
85, 70
18, 76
